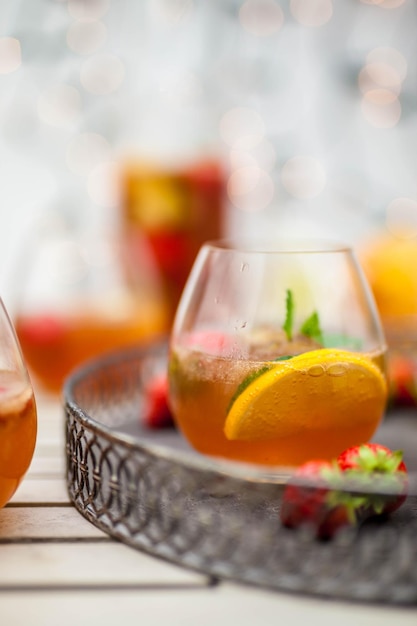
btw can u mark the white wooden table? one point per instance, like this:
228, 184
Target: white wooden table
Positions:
57, 569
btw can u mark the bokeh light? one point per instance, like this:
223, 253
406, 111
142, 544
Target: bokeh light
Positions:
86, 37
303, 177
102, 74
375, 75
391, 57
261, 17
385, 68
381, 108
263, 155
59, 106
10, 55
88, 10
250, 189
312, 12
172, 11
242, 128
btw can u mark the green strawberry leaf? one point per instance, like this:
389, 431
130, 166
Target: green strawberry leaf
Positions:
396, 459
379, 461
337, 495
353, 504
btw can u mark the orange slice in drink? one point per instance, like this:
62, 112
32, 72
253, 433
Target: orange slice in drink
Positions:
318, 390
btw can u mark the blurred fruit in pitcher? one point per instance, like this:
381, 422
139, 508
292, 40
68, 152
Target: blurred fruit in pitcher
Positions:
176, 209
390, 264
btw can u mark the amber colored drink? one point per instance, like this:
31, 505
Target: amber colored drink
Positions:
18, 425
54, 344
202, 387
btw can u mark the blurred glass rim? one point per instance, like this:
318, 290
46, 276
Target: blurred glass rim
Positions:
278, 246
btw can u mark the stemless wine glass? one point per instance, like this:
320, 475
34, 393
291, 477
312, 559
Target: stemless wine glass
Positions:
18, 419
277, 355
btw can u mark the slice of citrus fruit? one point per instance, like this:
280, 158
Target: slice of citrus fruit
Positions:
318, 390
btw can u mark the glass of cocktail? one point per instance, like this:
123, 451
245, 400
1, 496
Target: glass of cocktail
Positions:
79, 296
277, 354
18, 419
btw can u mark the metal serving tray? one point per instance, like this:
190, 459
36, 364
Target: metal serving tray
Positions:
150, 490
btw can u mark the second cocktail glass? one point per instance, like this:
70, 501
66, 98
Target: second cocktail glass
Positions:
277, 354
18, 415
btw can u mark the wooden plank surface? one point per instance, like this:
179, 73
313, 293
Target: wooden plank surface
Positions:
223, 605
91, 565
40, 523
42, 491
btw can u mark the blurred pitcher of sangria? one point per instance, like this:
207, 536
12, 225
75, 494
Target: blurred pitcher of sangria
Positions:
176, 208
79, 297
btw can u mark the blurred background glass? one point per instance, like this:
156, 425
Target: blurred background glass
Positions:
79, 295
168, 122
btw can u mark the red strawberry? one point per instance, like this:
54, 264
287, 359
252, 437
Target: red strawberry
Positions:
212, 342
403, 380
384, 468
157, 413
310, 499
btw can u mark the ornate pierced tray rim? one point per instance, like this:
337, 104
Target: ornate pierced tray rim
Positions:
242, 471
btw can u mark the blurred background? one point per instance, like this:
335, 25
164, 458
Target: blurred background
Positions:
133, 131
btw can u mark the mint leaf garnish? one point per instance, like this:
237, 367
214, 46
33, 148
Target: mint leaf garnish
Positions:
342, 341
289, 315
311, 328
